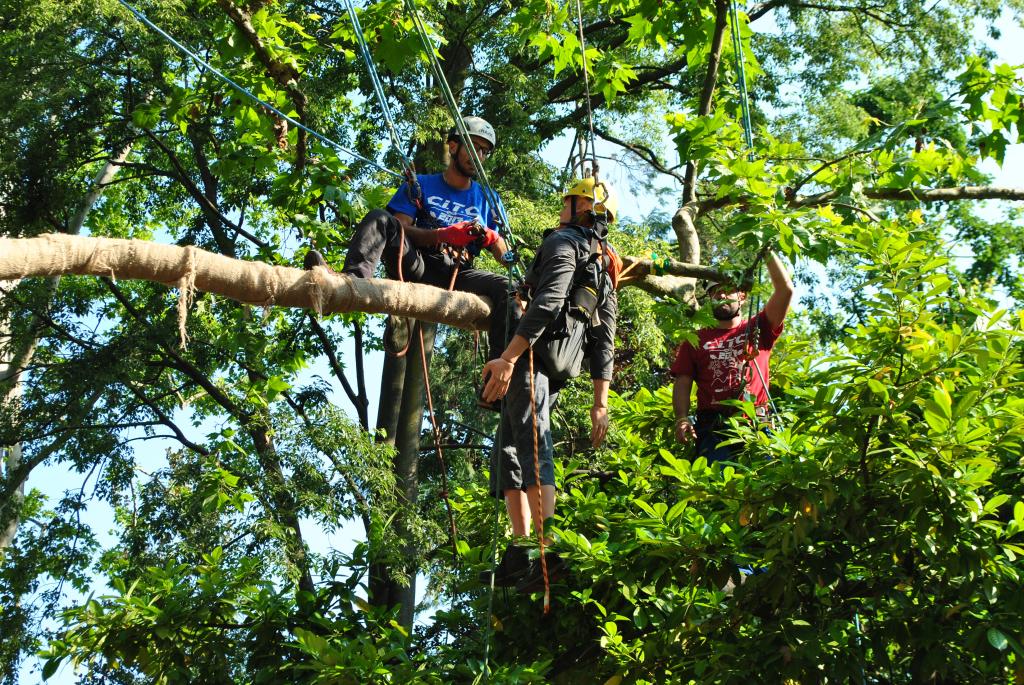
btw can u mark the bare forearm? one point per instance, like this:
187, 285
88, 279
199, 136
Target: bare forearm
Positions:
782, 291
601, 392
778, 274
681, 396
421, 237
515, 349
499, 249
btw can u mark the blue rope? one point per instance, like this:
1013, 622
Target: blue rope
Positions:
378, 87
245, 91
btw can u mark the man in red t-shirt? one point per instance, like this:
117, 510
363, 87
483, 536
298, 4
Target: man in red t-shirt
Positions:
716, 363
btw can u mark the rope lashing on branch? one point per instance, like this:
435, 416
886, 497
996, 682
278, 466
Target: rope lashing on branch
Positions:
249, 94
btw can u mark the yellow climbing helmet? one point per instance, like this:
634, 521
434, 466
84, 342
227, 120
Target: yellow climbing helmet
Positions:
605, 198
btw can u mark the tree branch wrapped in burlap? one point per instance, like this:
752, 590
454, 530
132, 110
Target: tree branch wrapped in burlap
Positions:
190, 269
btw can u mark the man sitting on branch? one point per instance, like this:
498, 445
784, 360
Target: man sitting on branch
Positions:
432, 230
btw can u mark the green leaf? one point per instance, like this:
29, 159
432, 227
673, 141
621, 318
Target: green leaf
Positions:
50, 667
997, 639
995, 503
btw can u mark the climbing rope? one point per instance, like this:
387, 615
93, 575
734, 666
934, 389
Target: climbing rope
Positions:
249, 94
753, 342
504, 226
453, 532
586, 89
591, 142
437, 445
540, 489
737, 43
378, 86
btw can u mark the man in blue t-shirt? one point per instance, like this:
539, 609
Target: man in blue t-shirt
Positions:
432, 237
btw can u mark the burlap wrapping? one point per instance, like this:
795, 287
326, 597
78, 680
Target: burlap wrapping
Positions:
190, 269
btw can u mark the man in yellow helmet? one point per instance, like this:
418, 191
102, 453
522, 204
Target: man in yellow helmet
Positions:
571, 312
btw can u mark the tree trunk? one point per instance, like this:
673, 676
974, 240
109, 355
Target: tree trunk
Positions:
403, 388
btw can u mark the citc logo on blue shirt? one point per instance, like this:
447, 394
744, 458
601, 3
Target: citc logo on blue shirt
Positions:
446, 204
448, 211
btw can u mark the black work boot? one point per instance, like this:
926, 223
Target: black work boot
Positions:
313, 259
398, 332
533, 581
512, 567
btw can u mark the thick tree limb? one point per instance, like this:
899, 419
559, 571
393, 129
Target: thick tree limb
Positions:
684, 225
953, 194
638, 268
256, 283
251, 282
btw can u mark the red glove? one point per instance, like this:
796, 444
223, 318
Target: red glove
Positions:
461, 234
489, 238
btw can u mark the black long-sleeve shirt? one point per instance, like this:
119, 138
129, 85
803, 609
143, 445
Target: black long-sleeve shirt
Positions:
550, 278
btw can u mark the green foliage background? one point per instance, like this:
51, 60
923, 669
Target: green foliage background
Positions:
883, 513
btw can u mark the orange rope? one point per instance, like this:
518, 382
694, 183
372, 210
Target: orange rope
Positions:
401, 278
430, 403
437, 446
540, 494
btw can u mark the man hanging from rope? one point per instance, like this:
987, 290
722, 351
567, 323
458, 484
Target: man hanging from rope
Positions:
554, 285
435, 225
729, 362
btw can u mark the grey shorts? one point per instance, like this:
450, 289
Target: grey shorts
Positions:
512, 468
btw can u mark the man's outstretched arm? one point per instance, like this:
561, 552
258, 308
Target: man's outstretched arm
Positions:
782, 291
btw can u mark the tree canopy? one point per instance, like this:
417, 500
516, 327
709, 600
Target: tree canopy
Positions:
883, 513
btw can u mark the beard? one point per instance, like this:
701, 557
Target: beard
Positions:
726, 311
468, 173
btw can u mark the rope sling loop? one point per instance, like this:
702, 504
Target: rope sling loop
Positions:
249, 94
